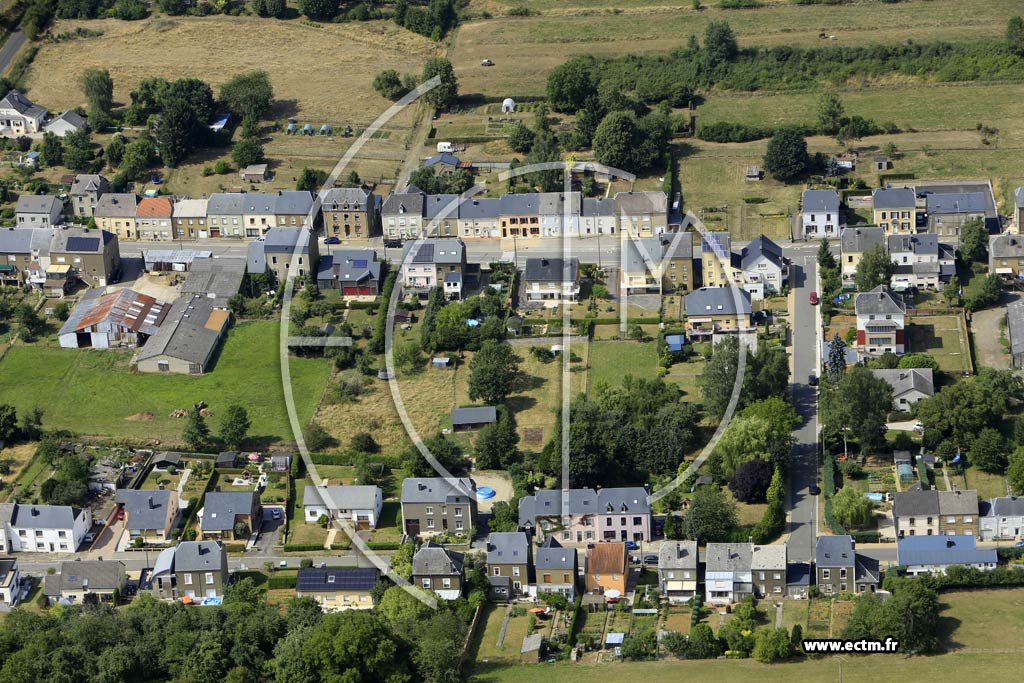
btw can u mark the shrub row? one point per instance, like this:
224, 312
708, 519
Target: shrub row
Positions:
281, 582
383, 545
302, 547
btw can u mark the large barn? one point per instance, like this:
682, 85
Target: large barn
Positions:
124, 319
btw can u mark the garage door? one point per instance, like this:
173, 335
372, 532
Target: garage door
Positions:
350, 291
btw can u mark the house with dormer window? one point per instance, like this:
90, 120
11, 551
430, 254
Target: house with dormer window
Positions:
585, 515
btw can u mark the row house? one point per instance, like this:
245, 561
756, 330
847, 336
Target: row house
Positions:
116, 213
224, 215
479, 218
441, 216
597, 216
556, 568
509, 564
719, 265
153, 219
350, 213
427, 264
1006, 255
1018, 210
402, 215
881, 322
840, 569
894, 210
736, 570
948, 211
439, 570
24, 255
432, 505
607, 569
923, 511
86, 191
657, 264
190, 219
642, 214
921, 261
1001, 519
820, 217
678, 570
42, 528
585, 515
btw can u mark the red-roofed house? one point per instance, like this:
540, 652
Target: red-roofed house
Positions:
153, 219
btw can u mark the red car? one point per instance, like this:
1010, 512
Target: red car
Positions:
814, 298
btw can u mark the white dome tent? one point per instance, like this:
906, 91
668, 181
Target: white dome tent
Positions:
508, 106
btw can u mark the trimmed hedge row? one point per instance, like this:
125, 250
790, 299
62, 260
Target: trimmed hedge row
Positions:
383, 545
302, 547
866, 536
282, 582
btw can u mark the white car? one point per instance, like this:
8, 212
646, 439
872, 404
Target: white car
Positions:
918, 427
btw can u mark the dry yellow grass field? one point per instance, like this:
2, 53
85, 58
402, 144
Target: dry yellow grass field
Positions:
322, 73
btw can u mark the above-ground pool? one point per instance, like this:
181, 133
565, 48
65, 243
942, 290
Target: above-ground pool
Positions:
485, 493
211, 601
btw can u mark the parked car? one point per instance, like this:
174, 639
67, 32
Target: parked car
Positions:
815, 490
392, 243
814, 299
486, 62
813, 380
631, 546
276, 513
332, 240
918, 427
650, 559
90, 537
1019, 544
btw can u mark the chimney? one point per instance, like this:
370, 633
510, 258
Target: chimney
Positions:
35, 512
950, 543
421, 486
152, 505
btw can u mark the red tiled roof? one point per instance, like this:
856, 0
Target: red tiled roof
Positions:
154, 207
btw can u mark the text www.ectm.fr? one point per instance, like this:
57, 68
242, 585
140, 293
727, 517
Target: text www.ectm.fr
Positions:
833, 646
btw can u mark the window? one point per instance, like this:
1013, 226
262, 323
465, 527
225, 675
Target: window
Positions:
430, 510
188, 579
497, 571
637, 521
62, 534
777, 576
825, 574
842, 573
546, 578
458, 525
446, 583
842, 586
968, 519
458, 512
430, 523
209, 577
515, 571
426, 583
950, 519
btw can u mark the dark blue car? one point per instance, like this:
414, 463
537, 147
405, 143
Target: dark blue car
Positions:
332, 240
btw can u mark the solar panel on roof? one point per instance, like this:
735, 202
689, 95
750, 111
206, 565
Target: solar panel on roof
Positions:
83, 243
359, 263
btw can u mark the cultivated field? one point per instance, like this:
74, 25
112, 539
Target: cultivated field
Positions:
92, 392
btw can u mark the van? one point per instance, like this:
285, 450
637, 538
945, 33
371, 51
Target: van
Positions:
443, 147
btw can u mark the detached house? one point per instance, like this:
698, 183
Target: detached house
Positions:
711, 310
191, 571
39, 211
853, 243
551, 279
556, 568
677, 570
895, 210
763, 268
149, 514
19, 116
881, 322
612, 514
438, 569
42, 528
338, 589
68, 122
230, 515
425, 265
820, 214
934, 554
350, 213
431, 505
86, 191
509, 564
908, 386
839, 569
358, 505
607, 570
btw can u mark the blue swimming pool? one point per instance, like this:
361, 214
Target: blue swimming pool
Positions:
485, 493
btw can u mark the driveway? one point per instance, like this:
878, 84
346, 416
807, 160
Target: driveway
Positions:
985, 325
106, 542
270, 533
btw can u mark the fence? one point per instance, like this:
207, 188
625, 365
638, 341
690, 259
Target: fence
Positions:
474, 626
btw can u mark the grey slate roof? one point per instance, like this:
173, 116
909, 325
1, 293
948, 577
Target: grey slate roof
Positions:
43, 516
220, 276
20, 240
88, 182
728, 557
286, 240
349, 266
915, 501
437, 490
116, 205
403, 203
225, 204
94, 575
879, 301
341, 497
761, 246
293, 202
551, 555
1007, 506
640, 203
548, 503
555, 203
820, 201
893, 198
198, 556
255, 258
718, 300
434, 560
508, 547
474, 415
37, 203
220, 508
184, 334
903, 381
923, 244
191, 208
834, 551
480, 208
859, 240
21, 104
525, 204
678, 555
336, 198
71, 117
768, 556
550, 270
441, 206
657, 249
453, 278
597, 206
258, 203
146, 509
958, 502
1005, 246
942, 550
866, 569
1018, 196
961, 202
315, 580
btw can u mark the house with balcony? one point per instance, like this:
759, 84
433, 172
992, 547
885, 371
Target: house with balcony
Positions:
359, 506
20, 116
727, 574
714, 310
94, 256
935, 554
431, 505
586, 515
881, 322
678, 570
820, 214
853, 243
339, 588
24, 256
763, 269
840, 569
551, 279
426, 264
10, 581
607, 569
894, 210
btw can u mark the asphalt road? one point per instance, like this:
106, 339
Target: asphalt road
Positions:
801, 505
10, 49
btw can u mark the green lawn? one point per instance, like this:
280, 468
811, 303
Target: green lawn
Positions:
610, 361
939, 337
92, 392
484, 647
986, 484
389, 526
985, 619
